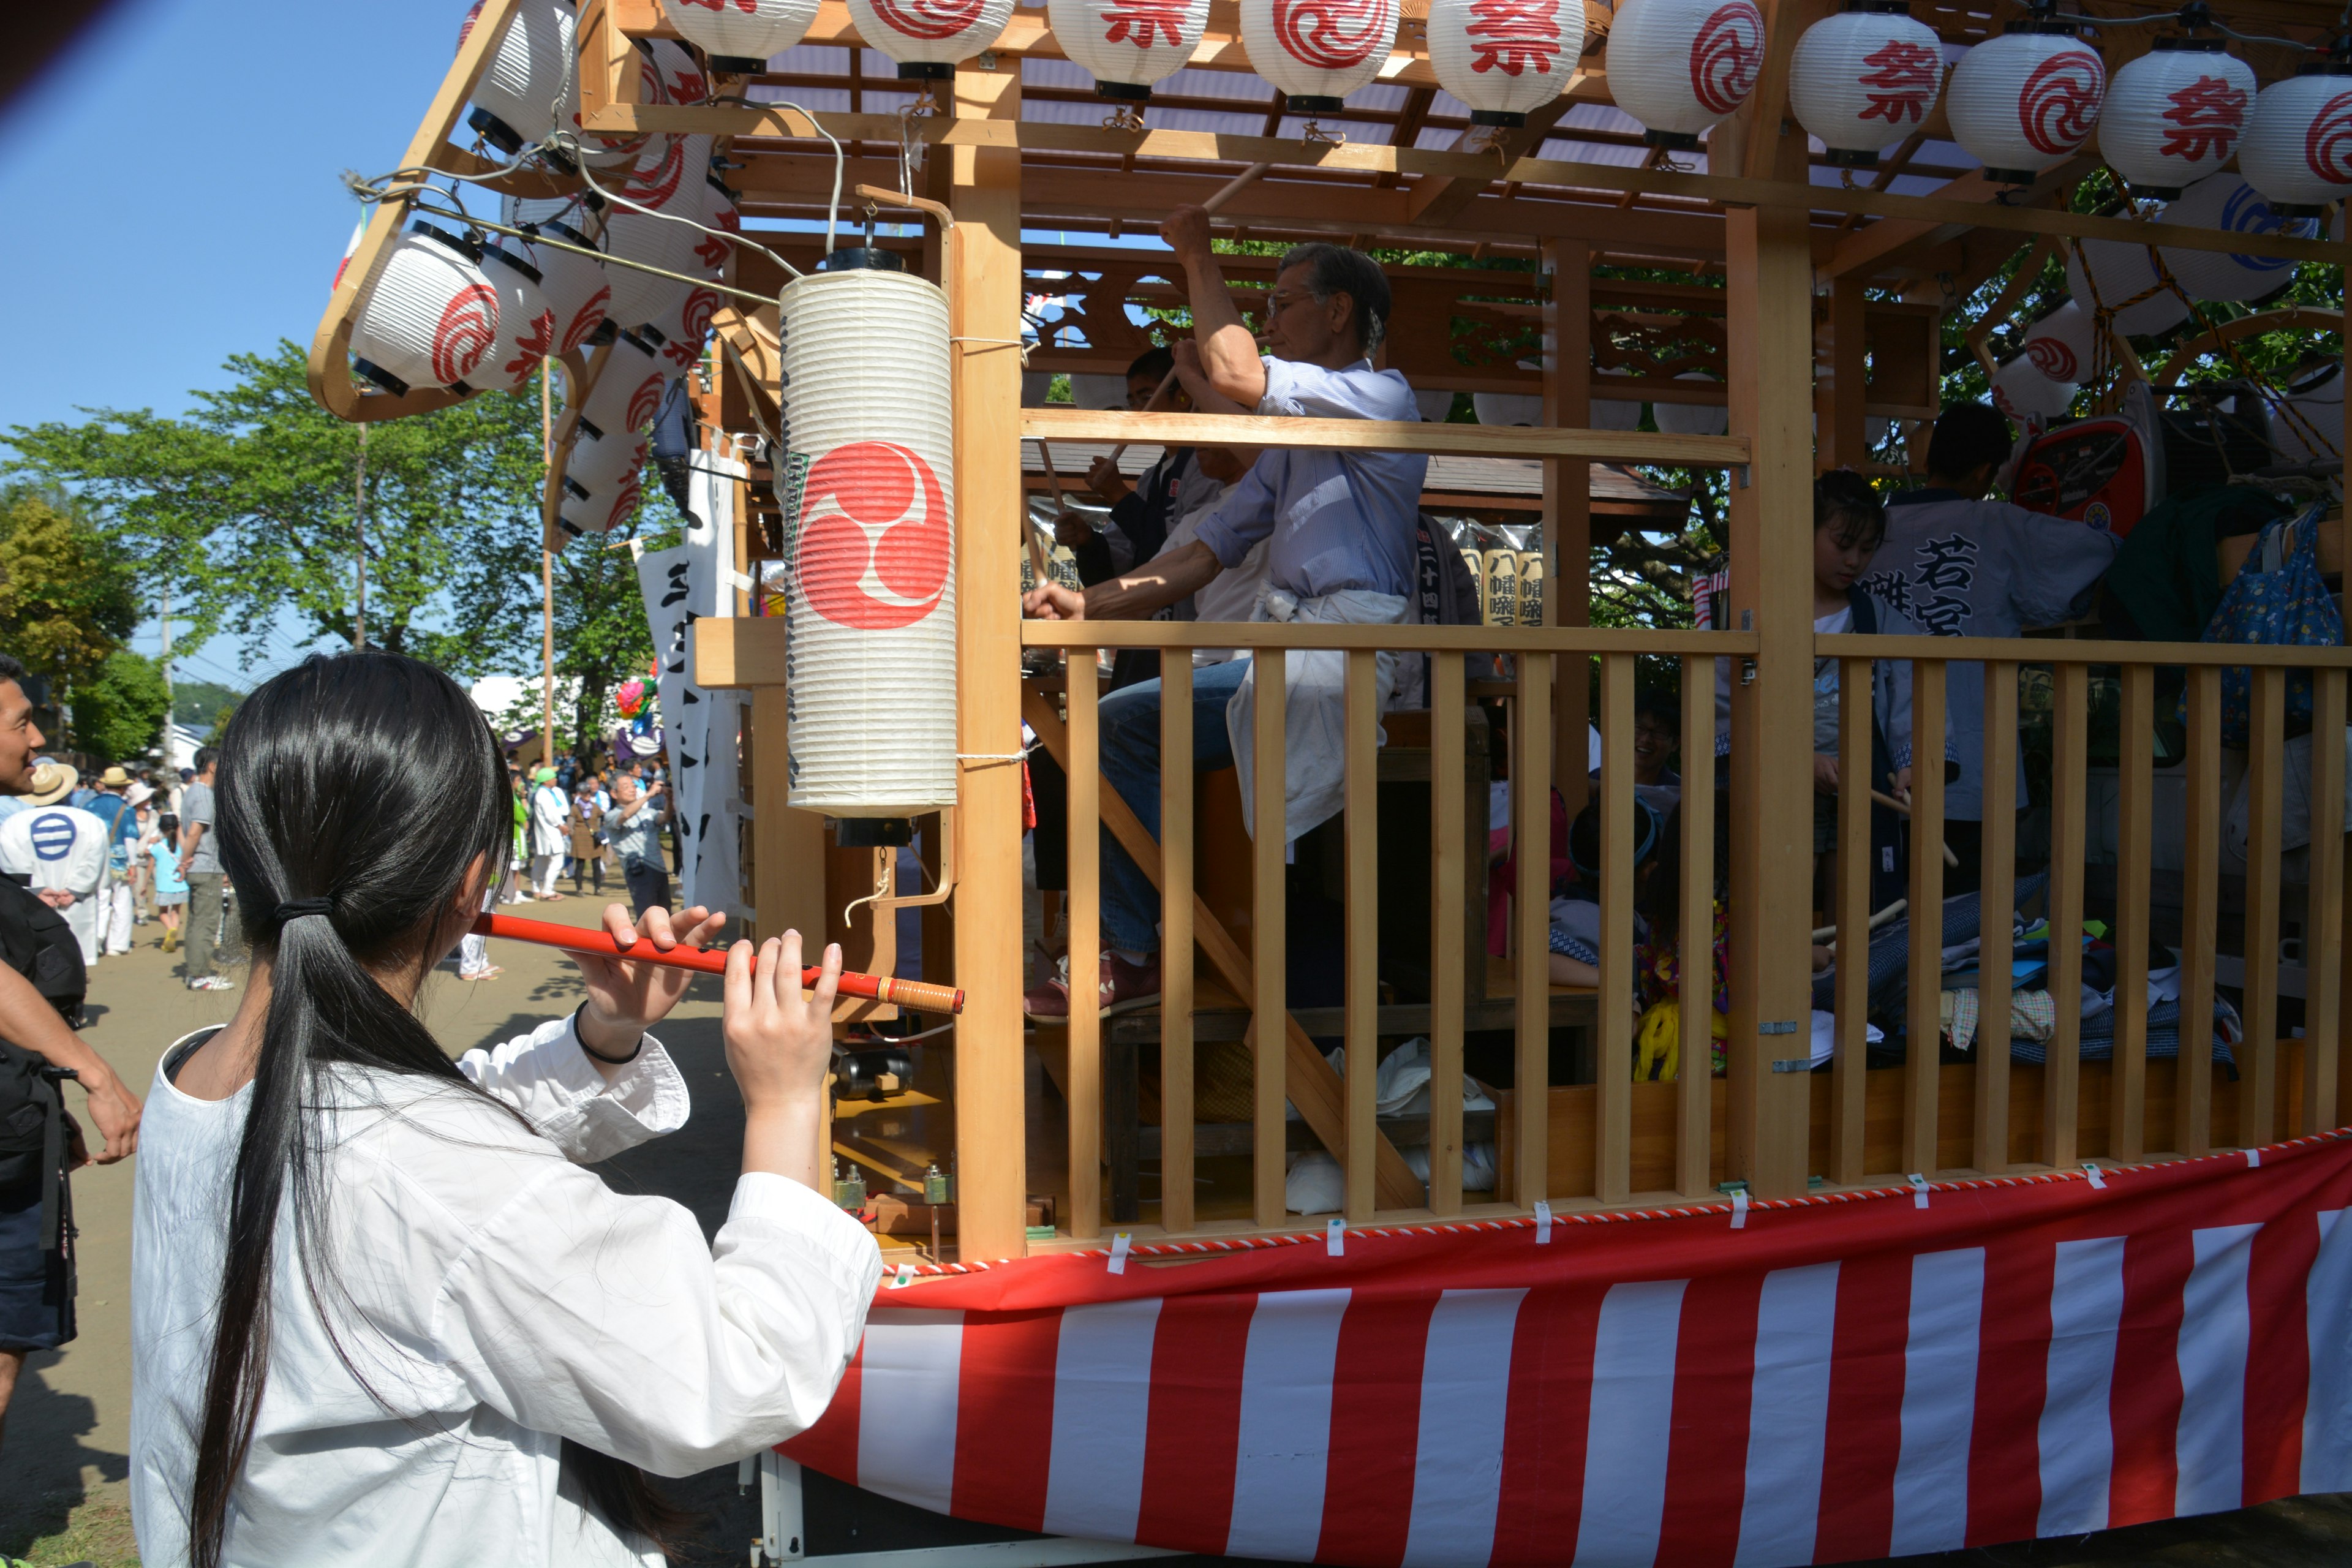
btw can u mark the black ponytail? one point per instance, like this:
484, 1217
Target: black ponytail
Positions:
356, 795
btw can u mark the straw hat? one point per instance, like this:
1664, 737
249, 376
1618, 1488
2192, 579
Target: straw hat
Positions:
52, 782
113, 778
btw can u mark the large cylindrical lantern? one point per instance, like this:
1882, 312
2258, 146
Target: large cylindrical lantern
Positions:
1504, 57
526, 90
2020, 391
1317, 52
429, 318
1680, 66
1863, 79
2027, 101
1128, 45
928, 37
2226, 202
2297, 149
2107, 274
738, 35
2174, 115
528, 329
868, 494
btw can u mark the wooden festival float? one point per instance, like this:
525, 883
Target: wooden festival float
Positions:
1795, 1312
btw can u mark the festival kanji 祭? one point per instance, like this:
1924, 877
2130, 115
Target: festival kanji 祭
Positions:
1900, 82
1513, 36
1136, 21
2207, 116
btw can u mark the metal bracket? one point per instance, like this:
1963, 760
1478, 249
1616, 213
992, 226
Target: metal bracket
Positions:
1793, 1064
782, 1537
1777, 1026
1739, 475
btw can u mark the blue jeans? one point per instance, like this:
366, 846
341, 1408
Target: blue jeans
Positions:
1130, 719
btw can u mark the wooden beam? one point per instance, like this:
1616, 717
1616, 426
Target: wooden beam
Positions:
1438, 199
1056, 423
1568, 507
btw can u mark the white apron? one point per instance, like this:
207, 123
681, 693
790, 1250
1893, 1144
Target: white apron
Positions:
1315, 752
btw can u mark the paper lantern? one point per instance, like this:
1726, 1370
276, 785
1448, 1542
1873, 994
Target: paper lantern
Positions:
1611, 413
871, 581
738, 36
2297, 149
628, 390
2174, 115
2020, 391
527, 89
2027, 101
1128, 45
668, 176
2061, 344
1317, 52
573, 285
1863, 79
1437, 405
1504, 57
430, 316
927, 37
1507, 407
1679, 66
2225, 201
719, 212
528, 328
1691, 418
2307, 425
1098, 392
2109, 273
682, 80
677, 338
596, 466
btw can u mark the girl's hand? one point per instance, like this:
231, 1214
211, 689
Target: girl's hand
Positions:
1825, 774
625, 999
779, 1043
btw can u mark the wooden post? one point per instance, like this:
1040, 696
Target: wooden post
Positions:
1567, 506
1268, 1006
1176, 782
1531, 916
1998, 881
787, 845
1850, 372
2200, 915
1613, 1099
1363, 934
1083, 1077
2322, 929
1768, 320
1695, 1093
1850, 914
2265, 776
2128, 1116
1448, 901
985, 298
1921, 1078
2061, 1079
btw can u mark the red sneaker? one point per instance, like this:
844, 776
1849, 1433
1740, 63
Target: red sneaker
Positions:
1122, 987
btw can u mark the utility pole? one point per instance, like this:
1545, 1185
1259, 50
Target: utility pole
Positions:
166, 618
359, 530
547, 571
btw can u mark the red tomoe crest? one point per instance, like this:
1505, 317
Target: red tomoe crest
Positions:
533, 343
873, 515
1727, 55
1142, 22
645, 402
624, 501
590, 317
653, 187
2052, 358
2327, 146
468, 327
1333, 34
684, 346
927, 19
2206, 116
2060, 101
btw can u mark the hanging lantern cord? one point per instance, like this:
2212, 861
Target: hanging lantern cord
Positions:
2195, 16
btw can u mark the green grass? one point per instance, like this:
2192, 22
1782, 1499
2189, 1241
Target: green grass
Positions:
96, 1532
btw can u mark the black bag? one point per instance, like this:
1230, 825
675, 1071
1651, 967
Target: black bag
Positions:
34, 941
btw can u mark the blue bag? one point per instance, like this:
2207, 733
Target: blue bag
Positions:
2277, 599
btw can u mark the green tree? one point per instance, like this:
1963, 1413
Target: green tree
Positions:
66, 595
118, 712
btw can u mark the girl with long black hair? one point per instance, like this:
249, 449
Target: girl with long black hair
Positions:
380, 1315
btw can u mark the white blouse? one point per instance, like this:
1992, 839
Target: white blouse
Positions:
491, 1298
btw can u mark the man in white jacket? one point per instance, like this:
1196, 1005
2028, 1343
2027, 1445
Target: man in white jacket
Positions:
58, 851
550, 832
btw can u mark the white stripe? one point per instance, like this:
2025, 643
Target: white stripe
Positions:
2210, 1444
1102, 1409
2327, 1323
2077, 1436
907, 1405
1631, 1425
1465, 1391
1788, 1416
1939, 1402
1286, 1424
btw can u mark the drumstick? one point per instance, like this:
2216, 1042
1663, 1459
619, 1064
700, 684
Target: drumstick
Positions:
913, 995
1892, 803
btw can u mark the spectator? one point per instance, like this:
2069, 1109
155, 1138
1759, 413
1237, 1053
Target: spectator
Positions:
111, 805
551, 812
170, 888
633, 825
141, 797
588, 809
1657, 737
200, 864
518, 888
59, 852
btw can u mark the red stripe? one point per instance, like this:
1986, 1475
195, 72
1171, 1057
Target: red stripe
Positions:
1194, 1440
1545, 1428
2146, 1399
831, 1445
1865, 1416
1005, 1416
2012, 1379
1714, 1383
1375, 1429
2278, 1354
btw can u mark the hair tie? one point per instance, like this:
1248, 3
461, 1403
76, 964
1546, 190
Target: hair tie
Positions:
295, 908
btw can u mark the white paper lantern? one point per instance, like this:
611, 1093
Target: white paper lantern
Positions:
738, 36
2310, 428
927, 37
528, 328
430, 317
1611, 413
1507, 407
1098, 392
2027, 101
1317, 52
2226, 202
679, 336
603, 512
1863, 79
628, 390
2297, 149
1035, 388
1691, 418
871, 595
2061, 344
1128, 45
719, 212
682, 80
1504, 57
596, 466
1437, 405
2020, 391
527, 89
2174, 115
573, 284
2106, 273
668, 177
1680, 66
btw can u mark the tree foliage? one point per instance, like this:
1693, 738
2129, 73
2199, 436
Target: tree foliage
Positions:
118, 712
67, 600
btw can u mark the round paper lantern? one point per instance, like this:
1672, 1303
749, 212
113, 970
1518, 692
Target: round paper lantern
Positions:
528, 328
2309, 426
429, 318
527, 89
668, 176
1611, 413
677, 338
2107, 273
1865, 79
597, 466
2020, 391
719, 212
1507, 407
1128, 45
628, 390
574, 285
2060, 345
738, 35
2297, 149
1504, 57
2174, 115
1437, 405
927, 37
2027, 101
1679, 66
871, 585
1317, 52
2225, 201
1691, 418
682, 80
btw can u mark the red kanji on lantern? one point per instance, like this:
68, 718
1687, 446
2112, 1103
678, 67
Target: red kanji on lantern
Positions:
2207, 116
1136, 21
1901, 82
1512, 36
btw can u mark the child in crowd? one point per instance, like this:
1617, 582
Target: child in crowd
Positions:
171, 887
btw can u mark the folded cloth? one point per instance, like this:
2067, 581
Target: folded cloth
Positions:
2033, 1016
2098, 1041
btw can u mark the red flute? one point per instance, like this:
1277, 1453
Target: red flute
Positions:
909, 994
